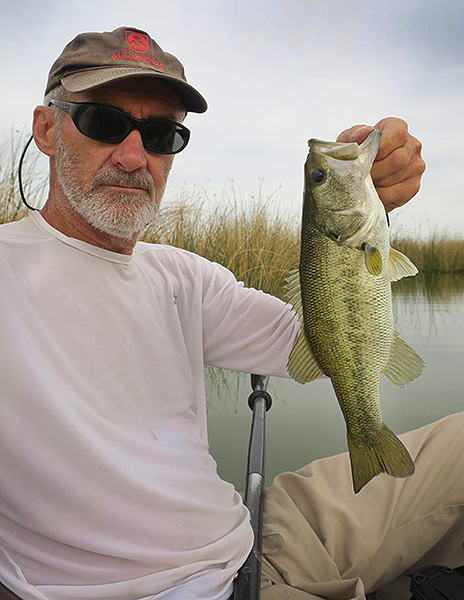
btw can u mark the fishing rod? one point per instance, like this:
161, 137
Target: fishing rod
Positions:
248, 580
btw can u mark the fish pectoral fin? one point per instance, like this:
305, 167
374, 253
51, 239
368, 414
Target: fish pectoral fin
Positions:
404, 364
373, 259
386, 455
293, 292
302, 365
400, 266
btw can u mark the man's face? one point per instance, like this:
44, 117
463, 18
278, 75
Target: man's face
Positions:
116, 188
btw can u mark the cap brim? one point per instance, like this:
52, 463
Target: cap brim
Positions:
94, 78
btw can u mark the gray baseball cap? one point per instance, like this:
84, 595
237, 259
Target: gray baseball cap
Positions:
91, 60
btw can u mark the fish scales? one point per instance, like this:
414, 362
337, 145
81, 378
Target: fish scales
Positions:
342, 294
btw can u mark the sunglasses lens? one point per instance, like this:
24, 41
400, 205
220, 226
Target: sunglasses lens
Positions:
165, 137
111, 126
102, 123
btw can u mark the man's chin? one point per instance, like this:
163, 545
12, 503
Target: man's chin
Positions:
122, 223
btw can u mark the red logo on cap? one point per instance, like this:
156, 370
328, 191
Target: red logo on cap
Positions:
137, 41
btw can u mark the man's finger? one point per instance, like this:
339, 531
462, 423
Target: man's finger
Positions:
394, 196
357, 133
394, 135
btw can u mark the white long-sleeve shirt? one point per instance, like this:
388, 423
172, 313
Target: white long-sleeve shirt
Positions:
107, 488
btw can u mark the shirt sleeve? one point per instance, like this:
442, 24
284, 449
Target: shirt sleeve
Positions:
246, 329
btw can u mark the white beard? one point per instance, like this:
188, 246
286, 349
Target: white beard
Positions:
121, 214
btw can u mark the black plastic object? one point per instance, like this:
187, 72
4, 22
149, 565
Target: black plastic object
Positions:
437, 582
20, 177
248, 581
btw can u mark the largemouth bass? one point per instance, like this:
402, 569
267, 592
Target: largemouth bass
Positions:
342, 295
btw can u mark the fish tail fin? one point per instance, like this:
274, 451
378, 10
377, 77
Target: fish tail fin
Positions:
386, 455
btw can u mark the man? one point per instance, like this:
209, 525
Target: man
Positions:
108, 489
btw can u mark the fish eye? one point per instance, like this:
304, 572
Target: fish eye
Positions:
318, 176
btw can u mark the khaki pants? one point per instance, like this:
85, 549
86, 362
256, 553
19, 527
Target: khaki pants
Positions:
322, 540
6, 594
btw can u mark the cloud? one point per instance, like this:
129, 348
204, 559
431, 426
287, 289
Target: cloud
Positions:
276, 73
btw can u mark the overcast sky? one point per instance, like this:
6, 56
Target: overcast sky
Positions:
276, 73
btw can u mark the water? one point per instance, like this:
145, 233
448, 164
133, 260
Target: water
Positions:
306, 423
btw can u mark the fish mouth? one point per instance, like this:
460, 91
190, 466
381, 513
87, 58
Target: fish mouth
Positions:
337, 150
349, 151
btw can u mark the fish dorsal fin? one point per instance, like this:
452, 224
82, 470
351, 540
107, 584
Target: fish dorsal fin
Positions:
404, 364
293, 292
400, 266
373, 259
301, 365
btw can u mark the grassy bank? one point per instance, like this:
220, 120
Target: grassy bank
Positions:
441, 253
34, 180
11, 207
255, 240
260, 246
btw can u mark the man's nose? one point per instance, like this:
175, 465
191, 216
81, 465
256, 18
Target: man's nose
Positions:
129, 155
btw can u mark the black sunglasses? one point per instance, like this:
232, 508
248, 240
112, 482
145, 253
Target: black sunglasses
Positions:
110, 126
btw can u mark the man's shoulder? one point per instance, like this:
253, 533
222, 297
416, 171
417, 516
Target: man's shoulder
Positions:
13, 230
180, 261
166, 253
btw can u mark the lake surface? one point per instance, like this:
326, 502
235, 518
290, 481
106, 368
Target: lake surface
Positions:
305, 421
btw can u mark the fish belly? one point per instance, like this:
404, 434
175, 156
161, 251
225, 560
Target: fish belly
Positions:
348, 323
347, 311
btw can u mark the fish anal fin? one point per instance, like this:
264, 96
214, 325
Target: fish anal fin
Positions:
302, 365
373, 259
386, 455
404, 364
400, 266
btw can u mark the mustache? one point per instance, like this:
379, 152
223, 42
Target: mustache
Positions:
109, 176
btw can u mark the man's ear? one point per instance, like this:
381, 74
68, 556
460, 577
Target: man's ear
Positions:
44, 130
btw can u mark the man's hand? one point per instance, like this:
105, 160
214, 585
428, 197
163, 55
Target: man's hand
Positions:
398, 167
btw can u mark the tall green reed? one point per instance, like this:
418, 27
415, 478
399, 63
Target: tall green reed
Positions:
439, 253
34, 178
251, 238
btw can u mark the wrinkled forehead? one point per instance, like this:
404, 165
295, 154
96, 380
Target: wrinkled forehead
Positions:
138, 90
